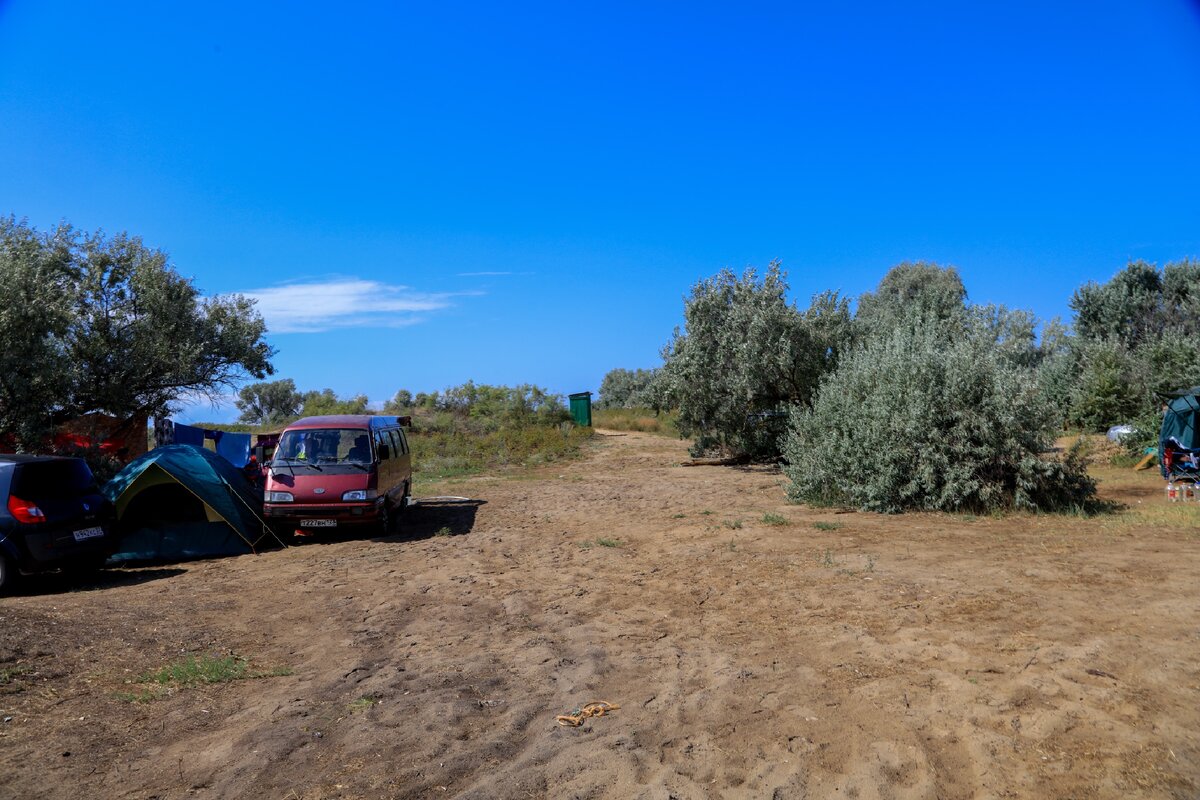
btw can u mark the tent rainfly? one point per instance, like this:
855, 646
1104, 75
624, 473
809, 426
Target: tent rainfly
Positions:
179, 501
1180, 422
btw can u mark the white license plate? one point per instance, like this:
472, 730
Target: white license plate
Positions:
88, 533
318, 523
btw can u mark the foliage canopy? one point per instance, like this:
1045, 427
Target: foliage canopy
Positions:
744, 356
929, 418
93, 323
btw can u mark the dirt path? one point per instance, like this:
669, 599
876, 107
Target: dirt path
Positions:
923, 656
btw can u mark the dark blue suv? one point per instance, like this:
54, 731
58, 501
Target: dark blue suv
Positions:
52, 516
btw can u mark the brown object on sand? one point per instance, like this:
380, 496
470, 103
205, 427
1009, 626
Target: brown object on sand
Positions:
596, 708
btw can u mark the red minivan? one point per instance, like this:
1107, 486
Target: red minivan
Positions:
337, 471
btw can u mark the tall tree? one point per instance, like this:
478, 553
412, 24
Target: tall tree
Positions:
624, 388
37, 283
269, 402
1137, 335
911, 290
401, 402
108, 325
1124, 309
747, 353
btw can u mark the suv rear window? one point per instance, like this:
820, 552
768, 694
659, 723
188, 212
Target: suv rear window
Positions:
42, 479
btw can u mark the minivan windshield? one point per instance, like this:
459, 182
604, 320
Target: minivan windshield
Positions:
324, 446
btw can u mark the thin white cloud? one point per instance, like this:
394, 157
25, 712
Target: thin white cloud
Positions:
342, 303
490, 274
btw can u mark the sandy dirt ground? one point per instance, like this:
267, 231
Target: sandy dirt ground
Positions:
833, 655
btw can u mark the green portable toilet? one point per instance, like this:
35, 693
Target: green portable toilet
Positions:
581, 408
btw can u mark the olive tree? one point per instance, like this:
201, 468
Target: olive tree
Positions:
1140, 303
105, 324
912, 289
623, 388
1136, 336
36, 312
930, 418
746, 353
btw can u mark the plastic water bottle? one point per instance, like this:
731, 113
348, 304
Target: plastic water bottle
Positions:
1189, 492
1172, 495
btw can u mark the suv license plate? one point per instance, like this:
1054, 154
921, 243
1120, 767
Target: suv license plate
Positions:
88, 533
318, 523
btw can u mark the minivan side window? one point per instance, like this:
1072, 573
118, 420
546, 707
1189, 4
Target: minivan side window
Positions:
380, 442
398, 439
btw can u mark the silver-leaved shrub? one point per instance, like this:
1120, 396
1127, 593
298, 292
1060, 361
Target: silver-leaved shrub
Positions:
931, 416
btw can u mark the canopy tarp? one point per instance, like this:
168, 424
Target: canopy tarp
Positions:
180, 501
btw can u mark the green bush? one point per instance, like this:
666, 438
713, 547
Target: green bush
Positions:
922, 419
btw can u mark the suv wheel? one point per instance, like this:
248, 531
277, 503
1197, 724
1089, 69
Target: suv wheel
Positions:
8, 573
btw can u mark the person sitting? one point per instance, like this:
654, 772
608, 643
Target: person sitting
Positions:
361, 451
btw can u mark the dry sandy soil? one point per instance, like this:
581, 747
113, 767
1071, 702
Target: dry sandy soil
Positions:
922, 656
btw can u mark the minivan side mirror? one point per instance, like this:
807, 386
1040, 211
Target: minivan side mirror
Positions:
383, 451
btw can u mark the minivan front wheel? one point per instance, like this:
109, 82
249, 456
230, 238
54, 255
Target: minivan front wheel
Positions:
385, 519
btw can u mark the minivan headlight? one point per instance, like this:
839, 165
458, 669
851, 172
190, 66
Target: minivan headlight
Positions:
359, 494
279, 497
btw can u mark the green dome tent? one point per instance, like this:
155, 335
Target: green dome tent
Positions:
179, 501
1181, 423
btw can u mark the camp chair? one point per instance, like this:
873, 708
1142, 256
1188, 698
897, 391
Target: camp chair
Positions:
1180, 461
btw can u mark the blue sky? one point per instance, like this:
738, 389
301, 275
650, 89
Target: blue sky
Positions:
429, 193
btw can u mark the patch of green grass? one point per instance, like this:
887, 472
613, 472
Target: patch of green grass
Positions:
822, 525
678, 516
828, 560
585, 545
706, 513
193, 670
204, 670
9, 674
733, 524
774, 519
443, 531
608, 542
1124, 460
362, 704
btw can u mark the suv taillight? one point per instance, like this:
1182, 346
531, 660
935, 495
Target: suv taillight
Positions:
24, 510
